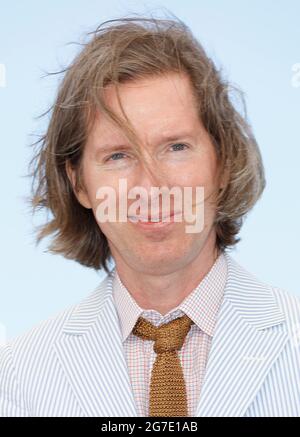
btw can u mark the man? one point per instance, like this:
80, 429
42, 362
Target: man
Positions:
177, 327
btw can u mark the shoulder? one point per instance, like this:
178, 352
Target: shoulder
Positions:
21, 352
28, 360
260, 298
36, 342
21, 356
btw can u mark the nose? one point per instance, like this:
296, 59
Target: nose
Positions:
150, 175
144, 180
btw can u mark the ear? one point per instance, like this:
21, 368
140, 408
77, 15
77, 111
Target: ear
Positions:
80, 194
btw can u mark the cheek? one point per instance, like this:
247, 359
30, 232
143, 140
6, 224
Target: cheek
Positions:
201, 173
94, 181
90, 179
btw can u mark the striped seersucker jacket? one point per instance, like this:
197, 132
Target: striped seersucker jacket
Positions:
73, 363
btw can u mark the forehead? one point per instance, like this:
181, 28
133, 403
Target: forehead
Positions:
155, 105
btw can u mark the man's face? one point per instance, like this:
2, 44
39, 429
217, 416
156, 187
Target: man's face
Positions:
158, 107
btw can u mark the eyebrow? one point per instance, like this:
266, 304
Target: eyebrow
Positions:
106, 148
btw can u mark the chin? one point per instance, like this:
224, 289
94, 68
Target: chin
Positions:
160, 264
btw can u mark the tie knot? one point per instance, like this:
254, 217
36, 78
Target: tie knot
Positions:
168, 337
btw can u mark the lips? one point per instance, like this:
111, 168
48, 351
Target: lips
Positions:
154, 219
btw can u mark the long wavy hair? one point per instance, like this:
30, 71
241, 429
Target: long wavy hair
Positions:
119, 51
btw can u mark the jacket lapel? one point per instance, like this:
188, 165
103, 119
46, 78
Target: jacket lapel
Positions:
91, 354
249, 337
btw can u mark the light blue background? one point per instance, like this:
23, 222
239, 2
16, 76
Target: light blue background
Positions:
256, 43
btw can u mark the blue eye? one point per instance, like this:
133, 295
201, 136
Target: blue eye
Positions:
179, 144
119, 155
114, 155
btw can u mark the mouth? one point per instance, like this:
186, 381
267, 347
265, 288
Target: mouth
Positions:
161, 219
153, 219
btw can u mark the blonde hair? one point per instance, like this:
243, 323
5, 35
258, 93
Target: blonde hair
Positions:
122, 50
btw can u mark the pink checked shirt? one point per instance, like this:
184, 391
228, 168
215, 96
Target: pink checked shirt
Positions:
201, 305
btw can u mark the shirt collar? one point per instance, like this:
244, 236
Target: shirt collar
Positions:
201, 305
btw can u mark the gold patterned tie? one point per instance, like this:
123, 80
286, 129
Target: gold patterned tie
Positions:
167, 388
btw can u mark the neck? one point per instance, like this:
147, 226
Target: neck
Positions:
165, 292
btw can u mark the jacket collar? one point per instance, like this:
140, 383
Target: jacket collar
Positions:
201, 305
248, 338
